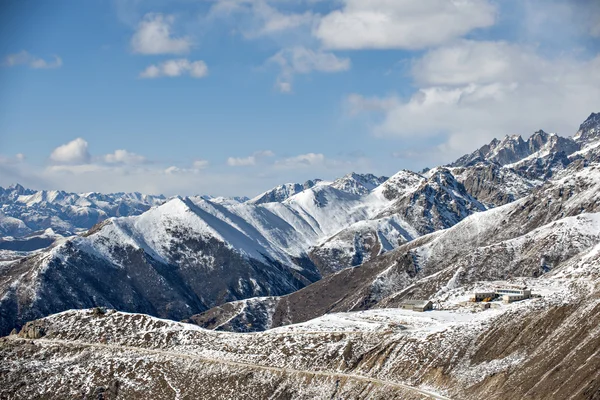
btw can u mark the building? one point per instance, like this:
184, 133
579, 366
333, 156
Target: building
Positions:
417, 305
514, 291
483, 296
509, 294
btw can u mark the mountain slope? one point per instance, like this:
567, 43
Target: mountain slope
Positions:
500, 237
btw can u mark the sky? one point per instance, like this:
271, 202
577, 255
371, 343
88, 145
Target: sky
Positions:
233, 97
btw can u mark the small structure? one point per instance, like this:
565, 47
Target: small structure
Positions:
483, 296
417, 305
509, 294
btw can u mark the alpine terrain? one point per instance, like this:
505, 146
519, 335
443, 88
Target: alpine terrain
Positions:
315, 290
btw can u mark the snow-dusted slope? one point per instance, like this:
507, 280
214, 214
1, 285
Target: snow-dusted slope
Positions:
531, 237
190, 254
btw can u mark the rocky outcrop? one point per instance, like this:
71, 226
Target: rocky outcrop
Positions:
33, 330
589, 130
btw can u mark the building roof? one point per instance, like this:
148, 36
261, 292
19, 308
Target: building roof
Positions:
417, 303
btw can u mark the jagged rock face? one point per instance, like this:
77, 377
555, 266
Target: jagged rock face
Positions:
589, 131
493, 185
401, 183
544, 167
439, 203
513, 149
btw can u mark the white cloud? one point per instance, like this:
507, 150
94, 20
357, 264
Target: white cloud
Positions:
402, 24
197, 167
250, 160
241, 162
74, 153
200, 164
18, 158
153, 36
173, 170
472, 62
175, 68
301, 60
24, 58
263, 19
302, 160
472, 92
123, 157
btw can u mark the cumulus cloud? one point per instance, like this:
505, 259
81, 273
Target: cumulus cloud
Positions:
301, 60
302, 160
24, 58
123, 157
153, 36
402, 24
175, 68
250, 160
74, 153
473, 91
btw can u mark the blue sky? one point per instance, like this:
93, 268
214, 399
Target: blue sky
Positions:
231, 97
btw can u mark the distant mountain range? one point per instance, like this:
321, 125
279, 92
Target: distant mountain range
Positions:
182, 256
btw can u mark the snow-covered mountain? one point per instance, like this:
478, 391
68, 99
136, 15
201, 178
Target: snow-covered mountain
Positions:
190, 254
418, 206
24, 211
196, 253
346, 335
353, 183
545, 232
513, 149
358, 183
523, 213
283, 192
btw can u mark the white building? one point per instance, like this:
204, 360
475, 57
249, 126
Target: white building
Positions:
508, 294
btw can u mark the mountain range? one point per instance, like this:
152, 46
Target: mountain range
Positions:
303, 265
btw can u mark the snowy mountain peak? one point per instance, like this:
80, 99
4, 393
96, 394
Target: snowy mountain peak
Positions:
358, 183
282, 192
399, 184
513, 149
589, 131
